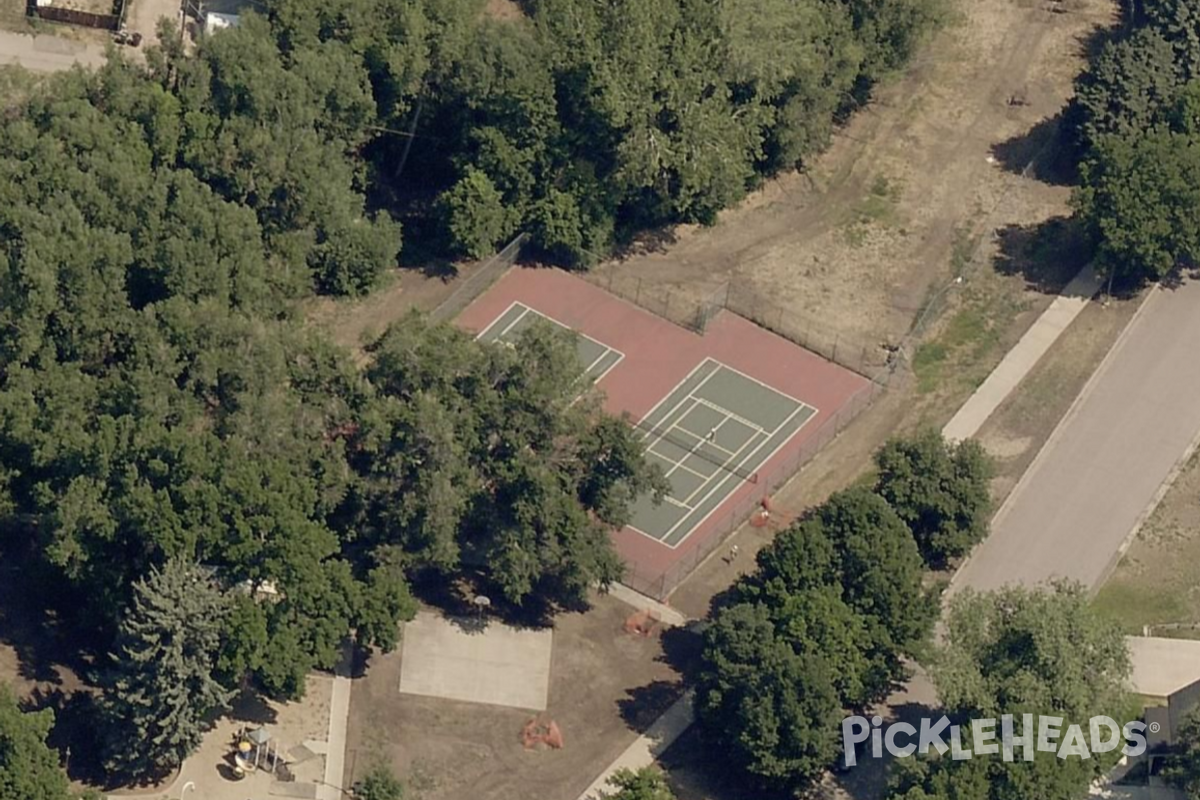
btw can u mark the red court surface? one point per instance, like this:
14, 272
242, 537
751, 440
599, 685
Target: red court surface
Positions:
658, 356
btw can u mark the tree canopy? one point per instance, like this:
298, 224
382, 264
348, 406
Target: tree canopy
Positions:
1021, 651
774, 712
941, 491
162, 401
646, 783
29, 770
821, 625
485, 456
1183, 767
379, 784
1138, 109
161, 691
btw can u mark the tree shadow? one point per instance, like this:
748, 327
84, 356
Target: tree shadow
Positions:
651, 241
642, 705
681, 649
77, 731
456, 596
227, 772
44, 639
1047, 254
698, 771
1041, 153
250, 707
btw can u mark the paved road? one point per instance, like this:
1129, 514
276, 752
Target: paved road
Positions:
47, 53
1104, 465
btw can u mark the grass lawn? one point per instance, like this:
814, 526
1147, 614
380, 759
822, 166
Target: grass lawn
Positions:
1157, 583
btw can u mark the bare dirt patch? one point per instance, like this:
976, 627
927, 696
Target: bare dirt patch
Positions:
142, 16
857, 244
351, 323
12, 16
503, 10
605, 685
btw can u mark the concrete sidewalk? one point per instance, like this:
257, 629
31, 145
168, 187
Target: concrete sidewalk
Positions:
339, 719
661, 734
1022, 358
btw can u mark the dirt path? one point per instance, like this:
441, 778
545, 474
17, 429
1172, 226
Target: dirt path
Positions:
857, 243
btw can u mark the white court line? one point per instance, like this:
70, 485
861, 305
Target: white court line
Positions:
610, 368
674, 389
514, 323
691, 451
767, 386
679, 465
688, 499
704, 437
525, 313
621, 356
740, 465
730, 415
800, 406
501, 316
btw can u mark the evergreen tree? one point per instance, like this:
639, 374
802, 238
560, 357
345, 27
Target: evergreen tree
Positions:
161, 689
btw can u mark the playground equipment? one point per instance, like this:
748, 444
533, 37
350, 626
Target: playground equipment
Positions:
254, 749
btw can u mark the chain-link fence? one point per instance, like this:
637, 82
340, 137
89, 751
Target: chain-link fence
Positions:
684, 308
659, 582
856, 355
480, 282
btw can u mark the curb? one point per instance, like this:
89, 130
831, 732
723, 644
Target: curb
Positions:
1057, 433
1151, 507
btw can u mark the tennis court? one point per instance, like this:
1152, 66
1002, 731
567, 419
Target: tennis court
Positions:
728, 415
710, 435
597, 358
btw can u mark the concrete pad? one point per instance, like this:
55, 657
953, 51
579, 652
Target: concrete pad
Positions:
498, 665
667, 615
1162, 667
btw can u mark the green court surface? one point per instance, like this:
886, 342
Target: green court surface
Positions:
710, 435
596, 358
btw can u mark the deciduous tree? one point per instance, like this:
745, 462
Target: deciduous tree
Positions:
647, 783
1022, 651
940, 490
769, 711
29, 770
